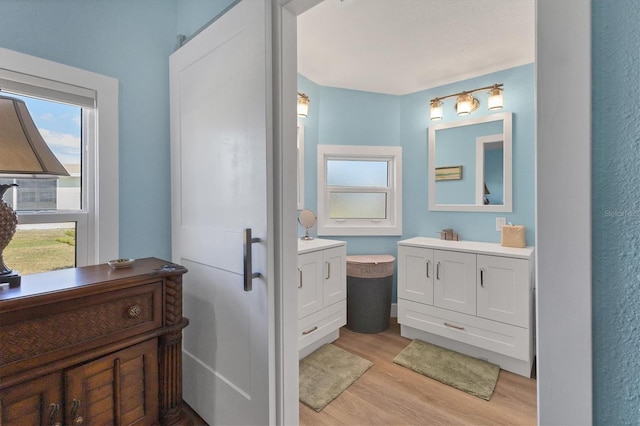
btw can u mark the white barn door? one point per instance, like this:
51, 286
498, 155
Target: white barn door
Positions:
221, 137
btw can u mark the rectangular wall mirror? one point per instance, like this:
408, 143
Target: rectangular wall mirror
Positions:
470, 164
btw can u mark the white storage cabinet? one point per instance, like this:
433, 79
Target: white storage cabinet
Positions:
472, 297
322, 292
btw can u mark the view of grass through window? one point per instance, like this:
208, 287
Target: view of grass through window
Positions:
43, 243
41, 249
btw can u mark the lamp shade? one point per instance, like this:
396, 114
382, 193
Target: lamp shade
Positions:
23, 151
436, 109
465, 104
303, 105
495, 100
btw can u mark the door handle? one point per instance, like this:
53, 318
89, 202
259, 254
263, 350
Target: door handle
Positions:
438, 271
428, 263
328, 270
481, 277
299, 278
249, 275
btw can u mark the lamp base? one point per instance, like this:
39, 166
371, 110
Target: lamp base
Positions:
12, 278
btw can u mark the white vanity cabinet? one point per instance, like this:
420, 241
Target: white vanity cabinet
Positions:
322, 292
471, 297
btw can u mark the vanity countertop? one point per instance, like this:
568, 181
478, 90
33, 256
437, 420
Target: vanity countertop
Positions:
479, 247
305, 246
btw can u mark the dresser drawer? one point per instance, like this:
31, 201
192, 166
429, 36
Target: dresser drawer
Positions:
494, 336
319, 324
90, 321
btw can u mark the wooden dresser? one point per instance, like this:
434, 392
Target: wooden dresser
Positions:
93, 345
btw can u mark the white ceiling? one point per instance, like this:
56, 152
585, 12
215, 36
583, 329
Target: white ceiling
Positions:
405, 46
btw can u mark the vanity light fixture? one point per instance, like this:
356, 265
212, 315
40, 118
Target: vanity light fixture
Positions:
303, 105
466, 103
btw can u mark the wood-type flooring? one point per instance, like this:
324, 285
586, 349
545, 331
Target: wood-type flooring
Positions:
388, 394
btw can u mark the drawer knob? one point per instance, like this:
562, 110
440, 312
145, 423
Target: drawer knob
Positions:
134, 311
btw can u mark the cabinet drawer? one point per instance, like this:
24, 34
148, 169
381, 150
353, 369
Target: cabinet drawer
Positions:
91, 321
319, 324
493, 336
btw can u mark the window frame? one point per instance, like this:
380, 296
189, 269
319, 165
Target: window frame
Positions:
97, 223
392, 224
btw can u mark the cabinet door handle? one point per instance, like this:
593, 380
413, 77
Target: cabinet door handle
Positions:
438, 271
428, 263
248, 274
75, 406
457, 327
54, 407
481, 277
328, 270
299, 278
310, 331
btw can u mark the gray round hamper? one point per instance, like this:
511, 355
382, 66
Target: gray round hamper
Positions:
369, 287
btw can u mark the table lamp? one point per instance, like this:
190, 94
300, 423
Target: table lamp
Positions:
23, 154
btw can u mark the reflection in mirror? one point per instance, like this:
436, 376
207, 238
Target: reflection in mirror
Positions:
481, 148
300, 167
490, 170
308, 219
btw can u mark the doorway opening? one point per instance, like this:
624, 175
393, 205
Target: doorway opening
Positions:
325, 88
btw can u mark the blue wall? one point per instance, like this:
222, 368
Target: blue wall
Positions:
350, 117
192, 15
131, 41
616, 211
519, 91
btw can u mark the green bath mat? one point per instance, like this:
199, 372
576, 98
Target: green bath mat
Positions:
328, 372
471, 375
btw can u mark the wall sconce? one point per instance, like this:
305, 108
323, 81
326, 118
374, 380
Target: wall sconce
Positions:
466, 103
303, 105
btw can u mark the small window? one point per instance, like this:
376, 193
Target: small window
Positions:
43, 244
71, 220
359, 190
